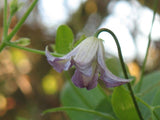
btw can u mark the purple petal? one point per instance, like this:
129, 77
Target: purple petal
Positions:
86, 55
94, 81
81, 80
109, 79
62, 63
77, 79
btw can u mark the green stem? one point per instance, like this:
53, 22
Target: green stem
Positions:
19, 24
2, 46
16, 28
5, 26
123, 67
9, 20
156, 107
30, 49
149, 42
104, 115
25, 48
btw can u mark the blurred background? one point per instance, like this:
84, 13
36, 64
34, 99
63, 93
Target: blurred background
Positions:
28, 84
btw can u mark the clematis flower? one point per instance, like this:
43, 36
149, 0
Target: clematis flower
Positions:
88, 58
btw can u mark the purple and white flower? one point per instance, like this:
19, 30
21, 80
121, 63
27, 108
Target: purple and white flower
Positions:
88, 58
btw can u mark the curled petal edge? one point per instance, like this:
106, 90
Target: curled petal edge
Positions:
108, 78
59, 64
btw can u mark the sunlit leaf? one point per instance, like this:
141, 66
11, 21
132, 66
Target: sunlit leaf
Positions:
64, 39
123, 105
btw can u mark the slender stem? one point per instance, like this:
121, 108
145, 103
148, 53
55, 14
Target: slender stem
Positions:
149, 42
19, 24
123, 67
5, 26
156, 107
2, 46
9, 20
30, 49
25, 48
16, 28
101, 114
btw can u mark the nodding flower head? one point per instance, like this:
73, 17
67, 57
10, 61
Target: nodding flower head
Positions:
88, 58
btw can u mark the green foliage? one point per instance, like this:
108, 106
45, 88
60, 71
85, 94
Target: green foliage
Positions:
156, 102
114, 66
150, 86
92, 100
64, 39
149, 93
123, 105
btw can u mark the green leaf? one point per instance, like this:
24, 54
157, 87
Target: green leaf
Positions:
149, 88
150, 82
64, 39
156, 101
105, 107
82, 98
123, 105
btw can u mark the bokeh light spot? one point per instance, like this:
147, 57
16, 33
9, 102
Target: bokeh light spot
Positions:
3, 102
91, 7
49, 84
21, 61
134, 70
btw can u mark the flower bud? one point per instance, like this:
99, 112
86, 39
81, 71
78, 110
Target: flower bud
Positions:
23, 41
14, 7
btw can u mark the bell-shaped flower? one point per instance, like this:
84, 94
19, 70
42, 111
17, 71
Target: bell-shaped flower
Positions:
88, 58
